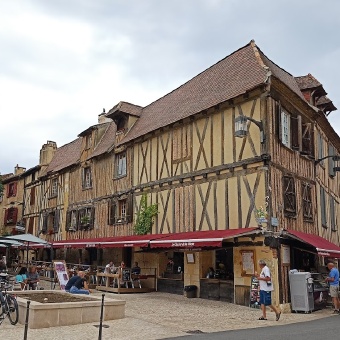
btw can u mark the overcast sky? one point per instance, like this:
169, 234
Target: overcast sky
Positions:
63, 61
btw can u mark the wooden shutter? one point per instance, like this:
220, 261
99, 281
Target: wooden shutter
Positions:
295, 136
289, 198
129, 208
332, 213
307, 202
30, 225
56, 221
112, 211
14, 215
323, 207
320, 147
68, 220
32, 198
44, 224
93, 211
278, 110
306, 138
331, 163
312, 142
6, 217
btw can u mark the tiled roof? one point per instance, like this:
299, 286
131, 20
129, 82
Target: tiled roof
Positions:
65, 156
107, 141
282, 75
307, 82
238, 73
126, 107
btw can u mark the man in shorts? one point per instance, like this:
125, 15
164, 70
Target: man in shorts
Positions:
266, 288
333, 279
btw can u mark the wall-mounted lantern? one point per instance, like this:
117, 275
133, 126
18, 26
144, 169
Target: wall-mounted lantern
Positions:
241, 129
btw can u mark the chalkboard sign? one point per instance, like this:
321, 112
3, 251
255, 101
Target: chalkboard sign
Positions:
254, 293
126, 274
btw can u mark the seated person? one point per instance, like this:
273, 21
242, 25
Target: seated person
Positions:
135, 269
3, 266
211, 273
73, 280
80, 287
21, 277
110, 268
33, 277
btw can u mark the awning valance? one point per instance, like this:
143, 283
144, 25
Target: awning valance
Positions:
322, 246
200, 239
194, 239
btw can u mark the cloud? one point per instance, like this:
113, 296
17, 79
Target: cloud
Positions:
63, 61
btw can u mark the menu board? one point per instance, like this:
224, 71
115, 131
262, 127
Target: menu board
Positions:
126, 274
254, 293
248, 265
61, 271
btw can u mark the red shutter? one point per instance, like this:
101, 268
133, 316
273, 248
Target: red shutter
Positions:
15, 215
6, 217
15, 188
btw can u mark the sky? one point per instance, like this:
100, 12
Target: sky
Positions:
62, 62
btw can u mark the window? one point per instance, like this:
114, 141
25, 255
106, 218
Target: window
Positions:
120, 211
54, 187
71, 220
295, 131
307, 202
12, 189
323, 207
332, 212
86, 218
121, 164
289, 199
11, 216
50, 222
87, 178
285, 128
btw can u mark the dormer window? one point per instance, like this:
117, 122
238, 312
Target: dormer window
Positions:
120, 124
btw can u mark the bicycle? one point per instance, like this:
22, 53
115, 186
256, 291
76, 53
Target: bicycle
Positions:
8, 303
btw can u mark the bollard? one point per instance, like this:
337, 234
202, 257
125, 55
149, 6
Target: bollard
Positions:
26, 321
101, 318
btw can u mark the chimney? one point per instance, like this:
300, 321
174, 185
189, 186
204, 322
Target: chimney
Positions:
102, 118
19, 170
47, 152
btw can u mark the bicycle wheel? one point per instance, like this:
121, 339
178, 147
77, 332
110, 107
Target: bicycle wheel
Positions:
13, 309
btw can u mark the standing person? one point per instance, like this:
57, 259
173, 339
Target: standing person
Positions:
333, 279
80, 286
266, 288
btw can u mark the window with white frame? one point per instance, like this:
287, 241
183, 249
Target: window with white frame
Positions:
285, 128
121, 164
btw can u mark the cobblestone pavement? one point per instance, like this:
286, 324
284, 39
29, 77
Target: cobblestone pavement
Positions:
161, 315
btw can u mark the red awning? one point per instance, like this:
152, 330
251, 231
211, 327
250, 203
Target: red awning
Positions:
322, 246
199, 239
107, 242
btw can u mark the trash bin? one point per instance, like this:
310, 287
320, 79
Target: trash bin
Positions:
190, 291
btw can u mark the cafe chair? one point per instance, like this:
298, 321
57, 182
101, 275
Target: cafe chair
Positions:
135, 280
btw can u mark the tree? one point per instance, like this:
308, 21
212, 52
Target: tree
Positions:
145, 216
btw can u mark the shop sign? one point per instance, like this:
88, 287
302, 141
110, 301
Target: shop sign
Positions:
183, 244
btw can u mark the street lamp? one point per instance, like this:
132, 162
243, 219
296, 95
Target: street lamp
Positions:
334, 158
241, 129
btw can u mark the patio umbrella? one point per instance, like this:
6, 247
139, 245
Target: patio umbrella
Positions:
25, 239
